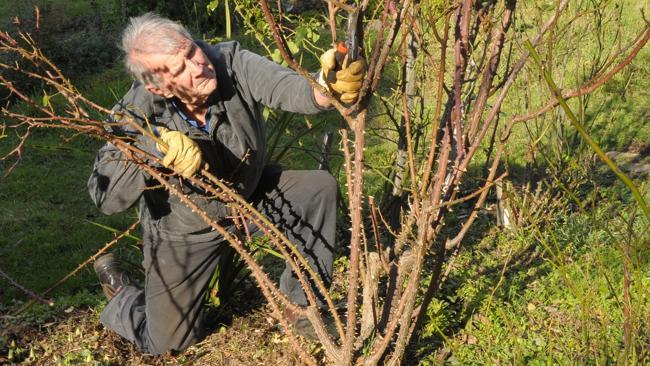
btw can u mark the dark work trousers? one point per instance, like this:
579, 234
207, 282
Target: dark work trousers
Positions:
167, 313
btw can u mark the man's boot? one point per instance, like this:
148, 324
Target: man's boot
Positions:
111, 276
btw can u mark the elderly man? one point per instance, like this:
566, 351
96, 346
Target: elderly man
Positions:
205, 102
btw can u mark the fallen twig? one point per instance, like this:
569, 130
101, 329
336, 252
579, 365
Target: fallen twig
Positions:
26, 291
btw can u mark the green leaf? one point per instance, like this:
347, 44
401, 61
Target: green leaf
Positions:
212, 6
301, 34
313, 36
113, 230
293, 47
276, 56
46, 99
273, 252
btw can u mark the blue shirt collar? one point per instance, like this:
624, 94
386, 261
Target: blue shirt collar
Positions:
192, 122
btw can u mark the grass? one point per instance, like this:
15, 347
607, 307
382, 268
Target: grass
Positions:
46, 213
546, 311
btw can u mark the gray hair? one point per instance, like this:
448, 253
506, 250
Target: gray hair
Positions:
150, 34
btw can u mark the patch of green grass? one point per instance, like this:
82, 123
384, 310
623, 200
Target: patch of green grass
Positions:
44, 215
107, 87
550, 321
46, 211
552, 297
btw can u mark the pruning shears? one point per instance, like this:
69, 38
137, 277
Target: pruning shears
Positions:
353, 38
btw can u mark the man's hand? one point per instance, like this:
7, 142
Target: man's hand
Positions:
344, 83
181, 152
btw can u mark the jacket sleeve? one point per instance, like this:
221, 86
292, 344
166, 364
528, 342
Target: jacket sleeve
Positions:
273, 85
116, 183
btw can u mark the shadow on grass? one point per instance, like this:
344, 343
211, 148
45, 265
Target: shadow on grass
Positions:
492, 266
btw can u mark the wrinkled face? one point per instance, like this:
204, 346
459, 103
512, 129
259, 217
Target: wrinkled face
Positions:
187, 74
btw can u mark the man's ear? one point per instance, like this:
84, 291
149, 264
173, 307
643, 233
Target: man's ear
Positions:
158, 91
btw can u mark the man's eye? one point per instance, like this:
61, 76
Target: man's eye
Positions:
177, 71
191, 52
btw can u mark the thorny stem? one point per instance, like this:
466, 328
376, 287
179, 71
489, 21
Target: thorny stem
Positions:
460, 53
375, 231
496, 107
355, 205
34, 297
406, 112
436, 115
331, 11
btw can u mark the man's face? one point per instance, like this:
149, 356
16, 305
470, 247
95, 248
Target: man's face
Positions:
187, 74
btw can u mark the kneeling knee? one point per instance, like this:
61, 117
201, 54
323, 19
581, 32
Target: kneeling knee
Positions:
326, 183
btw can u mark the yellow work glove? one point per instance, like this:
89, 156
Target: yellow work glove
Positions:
182, 153
344, 83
